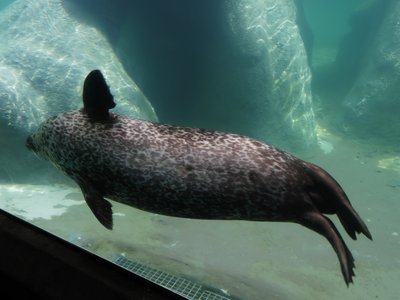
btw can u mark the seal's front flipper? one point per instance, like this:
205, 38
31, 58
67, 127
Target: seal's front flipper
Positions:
100, 207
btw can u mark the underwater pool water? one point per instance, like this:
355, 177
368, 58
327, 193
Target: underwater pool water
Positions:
225, 67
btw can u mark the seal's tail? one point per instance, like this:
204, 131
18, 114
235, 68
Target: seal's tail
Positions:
329, 198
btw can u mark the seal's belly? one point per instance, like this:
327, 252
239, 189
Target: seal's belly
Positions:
200, 189
187, 173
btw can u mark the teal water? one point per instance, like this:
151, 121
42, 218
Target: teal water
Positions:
330, 20
315, 78
5, 3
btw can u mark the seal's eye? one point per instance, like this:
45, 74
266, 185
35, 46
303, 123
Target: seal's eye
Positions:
29, 144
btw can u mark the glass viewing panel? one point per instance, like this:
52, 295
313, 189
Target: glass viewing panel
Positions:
318, 79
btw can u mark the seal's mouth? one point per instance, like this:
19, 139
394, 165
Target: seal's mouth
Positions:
29, 144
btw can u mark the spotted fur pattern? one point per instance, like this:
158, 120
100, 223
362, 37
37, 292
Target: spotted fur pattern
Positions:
176, 171
194, 173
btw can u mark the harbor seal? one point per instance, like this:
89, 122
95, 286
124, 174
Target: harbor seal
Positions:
189, 172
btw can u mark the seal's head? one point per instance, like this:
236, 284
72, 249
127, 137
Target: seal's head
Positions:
97, 100
38, 141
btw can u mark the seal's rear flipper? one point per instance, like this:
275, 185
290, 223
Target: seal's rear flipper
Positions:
97, 98
100, 207
329, 197
321, 224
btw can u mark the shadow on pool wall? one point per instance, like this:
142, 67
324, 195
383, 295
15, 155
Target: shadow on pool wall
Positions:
233, 66
356, 73
202, 64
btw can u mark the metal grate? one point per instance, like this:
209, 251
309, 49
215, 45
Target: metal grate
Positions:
180, 286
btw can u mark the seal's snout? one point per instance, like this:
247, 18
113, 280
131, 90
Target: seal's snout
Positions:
29, 143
